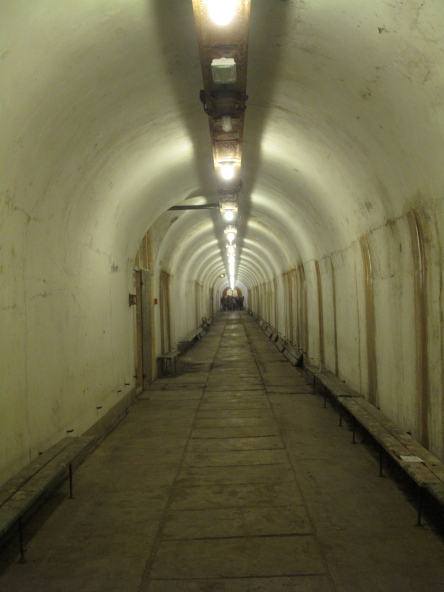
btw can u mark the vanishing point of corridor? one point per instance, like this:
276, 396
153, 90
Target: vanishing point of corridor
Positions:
230, 476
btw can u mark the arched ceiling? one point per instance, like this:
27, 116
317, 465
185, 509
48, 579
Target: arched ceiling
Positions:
104, 131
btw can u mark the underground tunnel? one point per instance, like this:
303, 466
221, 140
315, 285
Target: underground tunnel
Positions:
157, 161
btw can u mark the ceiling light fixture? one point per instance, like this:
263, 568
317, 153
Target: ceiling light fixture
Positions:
230, 228
230, 232
221, 11
227, 124
223, 70
229, 215
227, 171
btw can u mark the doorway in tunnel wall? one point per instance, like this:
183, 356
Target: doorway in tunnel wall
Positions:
145, 335
232, 299
197, 302
165, 311
236, 293
144, 328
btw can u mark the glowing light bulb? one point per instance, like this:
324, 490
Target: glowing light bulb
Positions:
227, 125
231, 250
229, 215
227, 171
221, 11
230, 236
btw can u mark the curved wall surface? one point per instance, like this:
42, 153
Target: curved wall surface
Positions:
341, 215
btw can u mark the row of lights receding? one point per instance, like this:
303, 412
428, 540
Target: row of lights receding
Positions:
224, 72
230, 232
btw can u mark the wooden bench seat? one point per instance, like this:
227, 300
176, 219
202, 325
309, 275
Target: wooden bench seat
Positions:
36, 480
193, 337
280, 344
337, 387
274, 336
395, 442
167, 358
413, 448
293, 355
428, 473
331, 383
190, 340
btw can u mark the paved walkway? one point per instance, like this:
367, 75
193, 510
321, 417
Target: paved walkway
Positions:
230, 477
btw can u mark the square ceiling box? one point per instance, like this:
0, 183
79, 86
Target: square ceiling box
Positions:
223, 70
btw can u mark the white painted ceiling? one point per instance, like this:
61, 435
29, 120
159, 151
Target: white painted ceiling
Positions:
103, 129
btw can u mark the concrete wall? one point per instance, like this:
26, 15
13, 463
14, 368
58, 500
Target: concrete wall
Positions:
341, 215
67, 338
379, 326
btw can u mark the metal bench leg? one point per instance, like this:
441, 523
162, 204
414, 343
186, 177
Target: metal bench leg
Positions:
22, 550
419, 505
70, 482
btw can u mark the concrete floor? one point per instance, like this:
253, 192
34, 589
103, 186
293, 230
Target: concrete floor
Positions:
230, 477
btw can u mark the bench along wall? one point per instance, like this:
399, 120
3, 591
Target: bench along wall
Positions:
179, 286
372, 314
